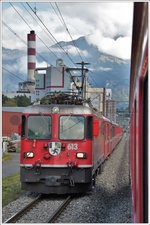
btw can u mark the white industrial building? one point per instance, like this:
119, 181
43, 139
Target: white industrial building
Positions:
52, 79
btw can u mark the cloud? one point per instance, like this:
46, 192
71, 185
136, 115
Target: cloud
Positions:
104, 69
109, 18
41, 64
102, 22
71, 50
74, 51
121, 47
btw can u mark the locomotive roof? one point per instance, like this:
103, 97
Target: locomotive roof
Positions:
63, 109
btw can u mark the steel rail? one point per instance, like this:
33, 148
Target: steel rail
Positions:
16, 216
56, 214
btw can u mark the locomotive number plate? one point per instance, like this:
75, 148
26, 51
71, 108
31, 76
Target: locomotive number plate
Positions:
72, 147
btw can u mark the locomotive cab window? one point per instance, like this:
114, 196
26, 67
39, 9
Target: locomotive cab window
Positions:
71, 128
39, 127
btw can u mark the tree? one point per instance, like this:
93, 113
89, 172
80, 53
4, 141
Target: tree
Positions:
22, 100
8, 101
19, 101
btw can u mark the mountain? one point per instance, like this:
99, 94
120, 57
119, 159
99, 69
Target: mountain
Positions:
104, 70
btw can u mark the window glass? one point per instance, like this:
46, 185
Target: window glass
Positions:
89, 127
39, 127
23, 126
71, 127
113, 131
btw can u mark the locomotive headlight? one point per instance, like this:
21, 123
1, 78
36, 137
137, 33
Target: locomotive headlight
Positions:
81, 155
55, 110
28, 155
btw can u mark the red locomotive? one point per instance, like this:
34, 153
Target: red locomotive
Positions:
139, 113
63, 147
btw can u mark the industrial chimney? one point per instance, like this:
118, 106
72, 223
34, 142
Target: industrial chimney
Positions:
31, 39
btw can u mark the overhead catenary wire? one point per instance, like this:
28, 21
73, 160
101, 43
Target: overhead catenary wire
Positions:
66, 53
32, 29
64, 24
26, 45
12, 74
22, 40
48, 32
61, 18
36, 34
42, 29
44, 26
51, 35
56, 12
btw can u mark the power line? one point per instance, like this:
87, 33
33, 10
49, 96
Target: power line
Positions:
21, 39
42, 29
6, 25
31, 29
44, 26
48, 32
25, 42
56, 12
20, 15
36, 34
64, 24
12, 73
51, 34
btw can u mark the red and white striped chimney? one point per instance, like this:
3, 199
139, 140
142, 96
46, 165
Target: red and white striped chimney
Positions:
31, 39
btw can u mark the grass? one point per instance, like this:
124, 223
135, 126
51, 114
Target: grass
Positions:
11, 189
6, 157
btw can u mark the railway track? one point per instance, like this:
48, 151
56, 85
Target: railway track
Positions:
16, 216
28, 209
56, 214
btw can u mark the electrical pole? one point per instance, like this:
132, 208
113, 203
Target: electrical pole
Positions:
83, 77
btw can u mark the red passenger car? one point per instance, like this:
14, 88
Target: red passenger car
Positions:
139, 113
63, 147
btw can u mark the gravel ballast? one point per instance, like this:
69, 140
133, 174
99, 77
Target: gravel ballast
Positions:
110, 201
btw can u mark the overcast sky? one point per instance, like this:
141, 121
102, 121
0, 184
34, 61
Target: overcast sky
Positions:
105, 25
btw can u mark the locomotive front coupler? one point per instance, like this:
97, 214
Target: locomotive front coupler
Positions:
70, 175
71, 164
37, 167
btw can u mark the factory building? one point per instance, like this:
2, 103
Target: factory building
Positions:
98, 98
52, 79
101, 99
111, 109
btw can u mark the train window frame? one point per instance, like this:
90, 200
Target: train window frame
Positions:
72, 116
35, 115
113, 131
89, 132
23, 126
